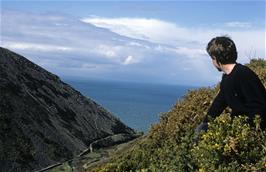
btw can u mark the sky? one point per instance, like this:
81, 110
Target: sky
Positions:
150, 41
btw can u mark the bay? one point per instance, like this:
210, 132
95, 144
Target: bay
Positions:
138, 105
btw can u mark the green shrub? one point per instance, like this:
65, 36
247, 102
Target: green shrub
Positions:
231, 145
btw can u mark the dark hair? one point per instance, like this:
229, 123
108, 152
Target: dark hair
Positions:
222, 49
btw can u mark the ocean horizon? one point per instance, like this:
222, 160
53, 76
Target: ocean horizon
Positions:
138, 105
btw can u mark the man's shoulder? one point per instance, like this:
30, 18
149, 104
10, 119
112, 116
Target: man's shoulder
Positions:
244, 73
242, 69
239, 73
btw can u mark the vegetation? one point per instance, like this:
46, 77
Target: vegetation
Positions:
230, 144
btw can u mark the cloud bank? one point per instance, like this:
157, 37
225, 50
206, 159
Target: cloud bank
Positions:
250, 40
129, 49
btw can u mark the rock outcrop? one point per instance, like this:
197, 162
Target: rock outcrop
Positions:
44, 120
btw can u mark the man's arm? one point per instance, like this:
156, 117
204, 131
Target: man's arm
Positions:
218, 105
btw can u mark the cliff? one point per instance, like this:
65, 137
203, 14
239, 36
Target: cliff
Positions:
44, 120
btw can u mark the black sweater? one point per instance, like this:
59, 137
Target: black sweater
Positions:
243, 92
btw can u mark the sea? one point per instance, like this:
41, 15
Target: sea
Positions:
138, 105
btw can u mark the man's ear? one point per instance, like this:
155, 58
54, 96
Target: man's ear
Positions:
218, 62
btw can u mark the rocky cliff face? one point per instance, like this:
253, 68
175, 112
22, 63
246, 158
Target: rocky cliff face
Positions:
44, 120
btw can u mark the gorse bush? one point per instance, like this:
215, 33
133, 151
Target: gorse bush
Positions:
259, 67
230, 144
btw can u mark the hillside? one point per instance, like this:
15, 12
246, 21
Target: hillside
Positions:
43, 120
169, 145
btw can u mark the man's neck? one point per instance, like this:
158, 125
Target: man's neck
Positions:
227, 68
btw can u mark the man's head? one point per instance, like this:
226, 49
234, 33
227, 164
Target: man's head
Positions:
222, 51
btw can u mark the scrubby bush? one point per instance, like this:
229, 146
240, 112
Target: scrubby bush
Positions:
230, 144
259, 67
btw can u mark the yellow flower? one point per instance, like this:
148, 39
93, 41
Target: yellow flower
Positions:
204, 136
201, 170
216, 146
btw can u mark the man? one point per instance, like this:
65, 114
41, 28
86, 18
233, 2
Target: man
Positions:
240, 88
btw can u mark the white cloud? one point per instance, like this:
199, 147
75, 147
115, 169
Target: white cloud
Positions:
236, 24
129, 60
190, 41
35, 47
141, 28
89, 66
191, 52
108, 51
136, 44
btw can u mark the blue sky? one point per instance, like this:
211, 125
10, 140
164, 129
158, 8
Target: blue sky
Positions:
159, 42
192, 12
